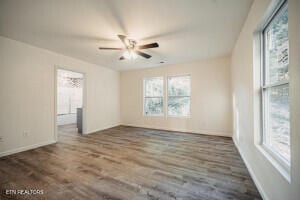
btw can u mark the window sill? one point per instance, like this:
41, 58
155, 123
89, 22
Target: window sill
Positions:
145, 115
176, 116
282, 169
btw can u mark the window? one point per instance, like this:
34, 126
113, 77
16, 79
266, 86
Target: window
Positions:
275, 86
153, 96
179, 96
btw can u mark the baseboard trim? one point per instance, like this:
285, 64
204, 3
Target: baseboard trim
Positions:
26, 148
252, 174
200, 132
97, 130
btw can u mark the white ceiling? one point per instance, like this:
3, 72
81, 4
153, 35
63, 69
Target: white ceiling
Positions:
186, 30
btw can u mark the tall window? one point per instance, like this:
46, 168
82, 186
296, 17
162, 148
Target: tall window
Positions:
275, 86
179, 96
153, 96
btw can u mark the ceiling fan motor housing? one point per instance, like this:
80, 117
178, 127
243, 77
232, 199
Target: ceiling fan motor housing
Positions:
132, 48
131, 44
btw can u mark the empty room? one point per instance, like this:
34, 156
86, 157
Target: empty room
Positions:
150, 99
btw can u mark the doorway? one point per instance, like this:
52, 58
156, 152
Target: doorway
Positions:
69, 102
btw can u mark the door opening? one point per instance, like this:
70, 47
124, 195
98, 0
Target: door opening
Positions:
69, 102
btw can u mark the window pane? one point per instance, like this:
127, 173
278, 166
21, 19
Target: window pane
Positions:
154, 87
279, 120
179, 86
179, 106
153, 106
277, 49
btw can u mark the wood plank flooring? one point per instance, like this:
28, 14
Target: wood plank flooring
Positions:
129, 163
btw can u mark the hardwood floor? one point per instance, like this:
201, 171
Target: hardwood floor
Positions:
129, 163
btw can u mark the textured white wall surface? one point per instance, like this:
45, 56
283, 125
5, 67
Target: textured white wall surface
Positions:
27, 85
268, 179
210, 98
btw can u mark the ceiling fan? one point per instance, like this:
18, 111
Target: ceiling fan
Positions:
132, 50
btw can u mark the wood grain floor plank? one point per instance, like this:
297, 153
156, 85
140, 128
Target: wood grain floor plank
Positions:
130, 163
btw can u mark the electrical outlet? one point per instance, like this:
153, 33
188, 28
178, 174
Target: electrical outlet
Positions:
25, 134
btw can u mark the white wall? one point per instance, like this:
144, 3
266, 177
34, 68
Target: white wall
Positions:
294, 35
27, 90
270, 182
210, 98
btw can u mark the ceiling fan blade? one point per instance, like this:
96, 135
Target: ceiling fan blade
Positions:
148, 46
123, 38
143, 54
108, 48
122, 58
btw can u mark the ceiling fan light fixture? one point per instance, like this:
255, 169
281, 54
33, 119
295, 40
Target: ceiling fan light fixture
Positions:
130, 55
132, 50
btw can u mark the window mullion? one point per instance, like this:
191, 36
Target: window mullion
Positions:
275, 84
177, 96
153, 96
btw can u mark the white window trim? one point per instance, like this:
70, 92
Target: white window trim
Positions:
274, 158
144, 97
167, 96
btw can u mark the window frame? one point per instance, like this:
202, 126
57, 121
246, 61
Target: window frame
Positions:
266, 87
144, 97
167, 96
